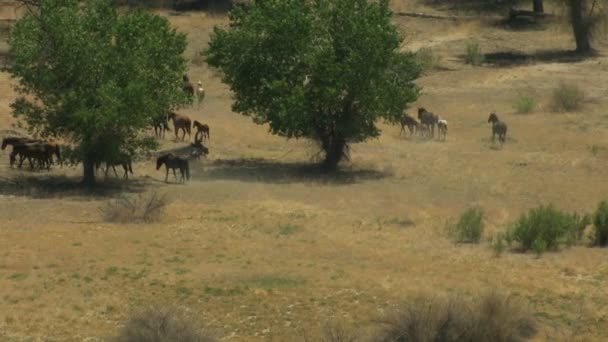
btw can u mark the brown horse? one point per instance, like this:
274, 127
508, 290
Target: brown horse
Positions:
498, 128
203, 130
42, 153
123, 160
410, 123
428, 119
173, 162
160, 126
181, 122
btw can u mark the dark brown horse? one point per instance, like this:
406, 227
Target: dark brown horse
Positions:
427, 119
123, 160
160, 126
181, 122
202, 130
42, 153
198, 149
498, 128
410, 123
174, 162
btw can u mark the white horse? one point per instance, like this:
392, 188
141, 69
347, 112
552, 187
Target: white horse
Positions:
442, 128
200, 93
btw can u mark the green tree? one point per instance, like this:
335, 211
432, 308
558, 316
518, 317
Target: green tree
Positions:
327, 70
95, 77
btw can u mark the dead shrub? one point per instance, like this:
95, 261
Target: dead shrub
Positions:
492, 318
162, 325
146, 208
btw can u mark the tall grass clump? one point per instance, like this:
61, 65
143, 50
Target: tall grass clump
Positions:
469, 227
600, 225
567, 97
545, 228
146, 208
492, 318
524, 103
160, 325
473, 54
428, 59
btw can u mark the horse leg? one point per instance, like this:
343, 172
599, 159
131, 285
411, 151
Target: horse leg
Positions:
167, 175
115, 173
174, 175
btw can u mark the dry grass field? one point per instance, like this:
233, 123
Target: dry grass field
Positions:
259, 248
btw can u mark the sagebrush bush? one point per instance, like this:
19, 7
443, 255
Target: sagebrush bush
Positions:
545, 228
162, 325
469, 227
473, 54
600, 225
428, 59
498, 244
492, 318
567, 97
147, 208
524, 104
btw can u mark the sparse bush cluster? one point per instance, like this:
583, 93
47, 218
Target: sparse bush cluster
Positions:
162, 325
146, 208
567, 97
493, 318
473, 54
469, 227
428, 59
524, 103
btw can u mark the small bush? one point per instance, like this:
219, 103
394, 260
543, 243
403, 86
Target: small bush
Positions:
524, 104
567, 97
498, 244
600, 225
160, 325
469, 227
473, 55
428, 59
545, 228
142, 208
493, 318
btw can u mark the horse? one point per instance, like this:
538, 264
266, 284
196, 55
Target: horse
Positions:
498, 128
160, 126
197, 148
174, 162
180, 122
442, 128
187, 86
16, 140
42, 153
124, 160
200, 93
410, 122
202, 129
427, 119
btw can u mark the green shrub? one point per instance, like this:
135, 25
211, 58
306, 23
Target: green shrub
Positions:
428, 59
600, 225
498, 244
567, 97
469, 227
493, 318
545, 228
524, 103
473, 55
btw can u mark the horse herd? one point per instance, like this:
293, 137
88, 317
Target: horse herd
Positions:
427, 122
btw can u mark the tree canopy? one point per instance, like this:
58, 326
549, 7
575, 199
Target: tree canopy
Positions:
93, 76
324, 69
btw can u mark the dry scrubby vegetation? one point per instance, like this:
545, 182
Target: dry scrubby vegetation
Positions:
492, 318
148, 207
473, 54
568, 97
525, 103
469, 227
162, 325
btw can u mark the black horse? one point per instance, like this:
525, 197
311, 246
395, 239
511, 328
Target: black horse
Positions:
174, 162
428, 120
498, 128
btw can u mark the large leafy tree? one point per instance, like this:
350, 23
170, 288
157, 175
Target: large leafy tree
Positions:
321, 69
95, 77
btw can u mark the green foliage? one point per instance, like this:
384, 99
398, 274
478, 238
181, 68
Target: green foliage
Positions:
93, 76
545, 228
473, 54
469, 227
600, 223
498, 244
524, 103
428, 59
567, 97
492, 318
325, 70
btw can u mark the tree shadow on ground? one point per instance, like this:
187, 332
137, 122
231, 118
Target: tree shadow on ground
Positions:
275, 172
475, 6
52, 186
518, 58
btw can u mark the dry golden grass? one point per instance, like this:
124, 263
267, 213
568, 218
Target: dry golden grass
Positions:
262, 249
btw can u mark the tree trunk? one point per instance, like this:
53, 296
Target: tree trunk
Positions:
334, 149
88, 166
580, 24
538, 6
